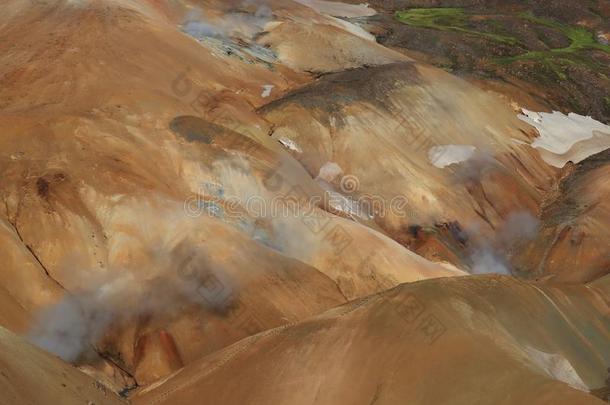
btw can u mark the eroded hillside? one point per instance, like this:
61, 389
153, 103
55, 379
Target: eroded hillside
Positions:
197, 191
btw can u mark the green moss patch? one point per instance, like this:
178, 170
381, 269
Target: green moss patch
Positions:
447, 19
581, 40
556, 61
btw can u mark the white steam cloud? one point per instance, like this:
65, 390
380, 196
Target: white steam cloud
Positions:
487, 260
72, 327
67, 328
235, 24
491, 256
279, 220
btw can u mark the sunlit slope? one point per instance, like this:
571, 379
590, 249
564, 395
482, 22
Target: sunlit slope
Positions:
572, 245
107, 196
485, 339
32, 376
457, 154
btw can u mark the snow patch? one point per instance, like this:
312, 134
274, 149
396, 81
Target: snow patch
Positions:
337, 9
445, 155
290, 144
565, 138
329, 172
337, 12
557, 367
267, 90
345, 204
353, 29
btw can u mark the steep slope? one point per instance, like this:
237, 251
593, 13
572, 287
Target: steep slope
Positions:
32, 376
184, 183
29, 289
420, 120
131, 172
485, 339
572, 245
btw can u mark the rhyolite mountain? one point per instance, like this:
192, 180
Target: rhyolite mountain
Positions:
298, 202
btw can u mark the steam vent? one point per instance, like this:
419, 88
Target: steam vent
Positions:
304, 202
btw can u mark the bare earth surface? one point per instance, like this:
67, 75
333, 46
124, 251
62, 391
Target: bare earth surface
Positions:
294, 202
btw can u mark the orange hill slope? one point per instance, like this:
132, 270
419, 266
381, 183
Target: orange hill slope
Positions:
29, 375
485, 339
